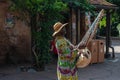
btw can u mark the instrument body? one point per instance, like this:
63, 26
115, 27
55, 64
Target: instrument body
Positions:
84, 58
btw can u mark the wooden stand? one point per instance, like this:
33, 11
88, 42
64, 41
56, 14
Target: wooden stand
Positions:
96, 48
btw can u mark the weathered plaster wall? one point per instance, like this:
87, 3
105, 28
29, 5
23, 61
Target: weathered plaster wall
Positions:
17, 39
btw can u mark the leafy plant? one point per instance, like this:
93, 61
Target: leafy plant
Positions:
40, 15
84, 5
115, 20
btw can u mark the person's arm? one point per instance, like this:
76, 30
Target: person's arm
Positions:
72, 47
69, 42
51, 46
51, 49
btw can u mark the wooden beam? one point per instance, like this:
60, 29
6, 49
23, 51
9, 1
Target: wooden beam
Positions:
82, 25
108, 35
73, 26
78, 26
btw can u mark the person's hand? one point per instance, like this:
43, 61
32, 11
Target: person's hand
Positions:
50, 50
71, 47
75, 47
79, 51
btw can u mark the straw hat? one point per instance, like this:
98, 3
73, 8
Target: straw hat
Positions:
57, 27
84, 58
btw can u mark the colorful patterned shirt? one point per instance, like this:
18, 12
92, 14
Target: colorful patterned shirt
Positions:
66, 68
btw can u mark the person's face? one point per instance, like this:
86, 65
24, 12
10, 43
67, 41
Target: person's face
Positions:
63, 31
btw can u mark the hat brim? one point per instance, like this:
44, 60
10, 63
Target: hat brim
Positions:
59, 29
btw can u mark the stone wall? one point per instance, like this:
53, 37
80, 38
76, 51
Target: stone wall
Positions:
15, 41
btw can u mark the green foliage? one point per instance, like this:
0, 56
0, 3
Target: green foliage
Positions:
118, 27
42, 15
114, 30
115, 20
116, 2
45, 8
103, 22
84, 5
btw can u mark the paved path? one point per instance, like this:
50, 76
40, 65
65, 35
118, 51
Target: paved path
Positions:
109, 70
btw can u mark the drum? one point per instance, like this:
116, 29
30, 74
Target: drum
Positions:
84, 58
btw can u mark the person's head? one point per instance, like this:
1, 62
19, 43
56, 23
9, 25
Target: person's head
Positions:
59, 29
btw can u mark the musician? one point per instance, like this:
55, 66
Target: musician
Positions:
66, 66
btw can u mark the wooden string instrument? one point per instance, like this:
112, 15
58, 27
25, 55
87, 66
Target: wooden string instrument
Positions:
85, 55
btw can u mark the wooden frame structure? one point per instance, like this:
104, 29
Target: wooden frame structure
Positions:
78, 27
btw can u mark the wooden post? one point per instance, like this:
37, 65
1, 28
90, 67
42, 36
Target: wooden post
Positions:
69, 28
108, 38
82, 25
78, 27
73, 26
107, 31
108, 35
